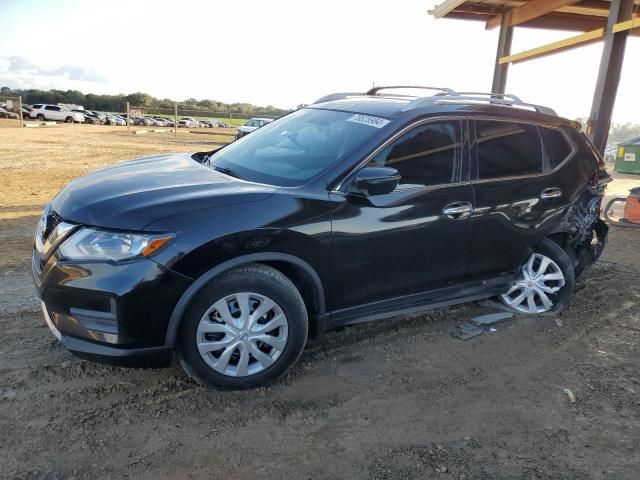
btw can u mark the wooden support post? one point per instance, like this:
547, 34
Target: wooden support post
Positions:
175, 120
609, 73
20, 111
504, 48
128, 118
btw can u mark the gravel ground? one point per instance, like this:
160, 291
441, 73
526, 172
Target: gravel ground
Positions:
390, 399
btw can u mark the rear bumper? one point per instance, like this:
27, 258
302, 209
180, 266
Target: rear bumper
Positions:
147, 357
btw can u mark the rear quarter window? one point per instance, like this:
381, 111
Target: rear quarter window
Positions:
556, 147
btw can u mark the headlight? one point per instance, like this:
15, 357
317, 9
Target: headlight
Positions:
92, 244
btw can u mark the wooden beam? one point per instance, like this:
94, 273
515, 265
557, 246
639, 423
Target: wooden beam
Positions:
528, 11
447, 6
569, 43
566, 21
578, 10
555, 47
626, 25
501, 71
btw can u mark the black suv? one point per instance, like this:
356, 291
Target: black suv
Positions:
358, 207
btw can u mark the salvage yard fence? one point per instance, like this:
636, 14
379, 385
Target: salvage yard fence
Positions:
12, 105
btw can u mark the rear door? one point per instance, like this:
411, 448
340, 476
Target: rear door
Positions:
518, 195
415, 238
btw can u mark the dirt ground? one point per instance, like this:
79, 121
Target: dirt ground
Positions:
384, 400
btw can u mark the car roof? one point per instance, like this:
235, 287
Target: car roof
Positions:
393, 106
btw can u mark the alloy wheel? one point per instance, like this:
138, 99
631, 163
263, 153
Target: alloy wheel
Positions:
242, 334
540, 278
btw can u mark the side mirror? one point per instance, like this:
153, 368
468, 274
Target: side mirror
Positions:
375, 181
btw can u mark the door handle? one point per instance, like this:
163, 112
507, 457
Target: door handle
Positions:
457, 210
550, 193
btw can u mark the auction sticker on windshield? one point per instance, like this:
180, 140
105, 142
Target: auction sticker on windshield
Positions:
376, 122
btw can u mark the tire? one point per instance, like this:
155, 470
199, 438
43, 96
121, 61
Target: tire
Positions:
556, 290
68, 120
41, 117
222, 366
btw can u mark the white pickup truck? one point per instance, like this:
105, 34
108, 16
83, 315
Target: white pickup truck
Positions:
56, 113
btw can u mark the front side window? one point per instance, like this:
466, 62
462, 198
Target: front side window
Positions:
427, 155
296, 147
507, 149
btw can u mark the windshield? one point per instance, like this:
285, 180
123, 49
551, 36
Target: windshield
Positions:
296, 147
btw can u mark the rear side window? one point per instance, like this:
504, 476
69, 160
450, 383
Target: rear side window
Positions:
507, 149
427, 155
51, 107
37, 106
556, 147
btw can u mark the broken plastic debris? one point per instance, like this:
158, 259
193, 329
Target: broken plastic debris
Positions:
465, 331
572, 397
493, 329
491, 318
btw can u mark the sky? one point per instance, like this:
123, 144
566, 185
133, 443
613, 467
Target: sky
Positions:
283, 52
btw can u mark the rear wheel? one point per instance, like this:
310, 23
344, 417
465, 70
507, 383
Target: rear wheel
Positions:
243, 330
68, 120
544, 283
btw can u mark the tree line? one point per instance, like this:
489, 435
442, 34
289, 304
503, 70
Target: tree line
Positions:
117, 103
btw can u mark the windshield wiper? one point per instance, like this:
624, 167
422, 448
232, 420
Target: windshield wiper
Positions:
226, 171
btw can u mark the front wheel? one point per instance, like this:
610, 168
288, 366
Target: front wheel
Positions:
544, 283
243, 330
68, 120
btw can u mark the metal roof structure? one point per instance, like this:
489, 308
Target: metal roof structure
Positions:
609, 21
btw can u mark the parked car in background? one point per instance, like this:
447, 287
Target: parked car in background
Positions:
56, 113
203, 124
232, 258
190, 122
25, 112
114, 120
101, 116
223, 124
4, 113
89, 117
252, 125
164, 122
142, 121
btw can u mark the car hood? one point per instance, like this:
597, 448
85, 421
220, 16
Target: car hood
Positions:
133, 194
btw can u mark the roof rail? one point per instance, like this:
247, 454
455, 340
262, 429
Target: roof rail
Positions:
446, 95
338, 96
506, 99
375, 90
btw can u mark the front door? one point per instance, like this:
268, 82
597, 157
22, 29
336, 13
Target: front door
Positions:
411, 240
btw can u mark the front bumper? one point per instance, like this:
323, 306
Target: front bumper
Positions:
144, 357
114, 313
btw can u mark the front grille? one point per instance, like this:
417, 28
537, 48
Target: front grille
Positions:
52, 221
